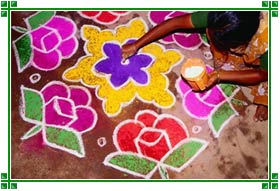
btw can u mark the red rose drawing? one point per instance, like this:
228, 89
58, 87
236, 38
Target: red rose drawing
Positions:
152, 141
150, 135
103, 17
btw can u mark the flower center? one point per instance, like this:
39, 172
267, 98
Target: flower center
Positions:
126, 62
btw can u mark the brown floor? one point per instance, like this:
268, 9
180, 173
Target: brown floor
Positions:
240, 152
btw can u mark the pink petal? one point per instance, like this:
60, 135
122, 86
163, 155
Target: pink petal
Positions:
158, 16
175, 130
65, 107
190, 41
176, 14
183, 87
215, 97
126, 135
54, 89
46, 61
85, 119
147, 118
63, 25
196, 107
37, 36
50, 41
168, 39
68, 47
54, 114
79, 96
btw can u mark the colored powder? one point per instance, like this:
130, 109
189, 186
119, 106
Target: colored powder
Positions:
63, 138
183, 154
33, 105
24, 51
221, 115
228, 89
193, 71
35, 130
134, 163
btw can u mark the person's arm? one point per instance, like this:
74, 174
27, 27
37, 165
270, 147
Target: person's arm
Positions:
163, 29
245, 77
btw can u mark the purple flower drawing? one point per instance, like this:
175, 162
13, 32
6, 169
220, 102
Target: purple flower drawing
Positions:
121, 72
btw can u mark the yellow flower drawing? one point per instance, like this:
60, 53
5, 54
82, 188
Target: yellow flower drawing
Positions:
118, 88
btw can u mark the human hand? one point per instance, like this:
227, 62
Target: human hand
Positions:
128, 50
213, 79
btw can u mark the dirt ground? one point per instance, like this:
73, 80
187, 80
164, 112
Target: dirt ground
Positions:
240, 152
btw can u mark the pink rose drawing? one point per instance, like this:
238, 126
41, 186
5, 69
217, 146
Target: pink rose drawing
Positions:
61, 113
103, 17
213, 105
48, 40
151, 142
184, 40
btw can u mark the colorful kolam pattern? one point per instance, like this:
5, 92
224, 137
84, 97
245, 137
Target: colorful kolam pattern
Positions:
153, 142
48, 40
61, 113
214, 105
117, 84
184, 40
103, 17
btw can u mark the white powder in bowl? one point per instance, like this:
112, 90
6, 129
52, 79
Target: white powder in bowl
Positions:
193, 71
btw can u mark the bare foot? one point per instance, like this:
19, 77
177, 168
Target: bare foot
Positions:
261, 113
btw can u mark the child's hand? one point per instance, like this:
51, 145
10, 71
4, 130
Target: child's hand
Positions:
128, 50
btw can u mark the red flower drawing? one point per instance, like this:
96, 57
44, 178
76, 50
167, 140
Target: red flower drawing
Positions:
103, 17
151, 142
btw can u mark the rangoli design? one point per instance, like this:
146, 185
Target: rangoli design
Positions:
214, 105
47, 40
151, 142
184, 40
117, 84
121, 72
103, 17
61, 113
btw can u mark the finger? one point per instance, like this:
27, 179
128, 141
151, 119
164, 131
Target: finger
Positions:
124, 56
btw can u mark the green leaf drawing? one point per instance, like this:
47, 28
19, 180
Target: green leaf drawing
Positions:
228, 89
32, 104
65, 140
238, 102
40, 18
33, 131
19, 29
23, 51
221, 115
133, 163
184, 153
